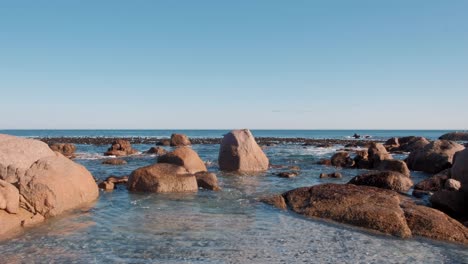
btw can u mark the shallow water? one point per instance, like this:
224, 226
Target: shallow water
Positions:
229, 226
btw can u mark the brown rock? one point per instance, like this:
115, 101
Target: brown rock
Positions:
207, 180
56, 184
335, 175
392, 144
377, 153
276, 201
185, 157
107, 186
295, 168
394, 165
114, 162
66, 149
361, 160
179, 140
432, 184
32, 221
451, 202
384, 179
325, 162
239, 152
342, 159
287, 174
120, 148
163, 142
410, 144
460, 169
434, 157
455, 136
157, 151
117, 179
162, 177
9, 197
11, 223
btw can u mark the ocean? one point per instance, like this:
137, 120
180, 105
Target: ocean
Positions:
229, 226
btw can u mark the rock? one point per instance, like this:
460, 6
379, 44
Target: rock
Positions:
106, 186
117, 179
11, 223
157, 151
179, 140
56, 184
342, 159
361, 160
362, 206
394, 165
163, 142
207, 180
460, 169
451, 202
18, 154
66, 149
32, 221
410, 144
335, 175
377, 153
392, 144
434, 157
427, 222
120, 148
114, 162
376, 209
287, 174
452, 185
239, 152
432, 184
325, 162
162, 177
185, 157
9, 197
295, 168
455, 136
384, 179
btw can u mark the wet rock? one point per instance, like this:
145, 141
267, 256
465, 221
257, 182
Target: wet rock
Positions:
390, 180
411, 143
455, 136
452, 185
117, 179
9, 197
459, 170
335, 175
453, 203
162, 178
120, 147
394, 165
239, 152
185, 157
287, 174
325, 162
106, 186
164, 142
12, 223
434, 157
180, 140
207, 180
157, 151
114, 162
66, 149
342, 159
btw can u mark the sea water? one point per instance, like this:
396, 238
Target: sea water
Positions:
229, 226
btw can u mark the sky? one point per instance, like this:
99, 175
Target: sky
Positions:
259, 64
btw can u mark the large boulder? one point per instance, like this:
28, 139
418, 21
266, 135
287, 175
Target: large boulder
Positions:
342, 159
377, 153
179, 140
56, 184
412, 143
377, 209
453, 203
455, 136
394, 165
162, 178
460, 169
66, 149
17, 155
185, 157
239, 152
434, 157
361, 160
391, 180
120, 147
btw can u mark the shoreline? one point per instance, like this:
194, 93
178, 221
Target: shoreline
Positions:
196, 141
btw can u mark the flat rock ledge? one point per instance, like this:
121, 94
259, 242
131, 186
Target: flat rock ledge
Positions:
380, 210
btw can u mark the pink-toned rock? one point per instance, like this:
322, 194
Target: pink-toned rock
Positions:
157, 151
185, 157
180, 140
10, 224
162, 177
106, 185
56, 184
120, 148
9, 197
66, 149
207, 180
240, 153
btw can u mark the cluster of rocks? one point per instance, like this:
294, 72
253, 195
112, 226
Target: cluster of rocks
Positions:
37, 183
120, 147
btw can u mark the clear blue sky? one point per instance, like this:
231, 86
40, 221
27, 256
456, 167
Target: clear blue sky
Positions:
233, 64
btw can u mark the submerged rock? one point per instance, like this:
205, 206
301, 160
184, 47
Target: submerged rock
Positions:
287, 174
335, 175
180, 140
162, 177
107, 186
114, 162
240, 153
120, 147
66, 149
207, 180
434, 157
185, 157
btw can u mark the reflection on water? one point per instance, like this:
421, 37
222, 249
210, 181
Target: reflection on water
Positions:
229, 226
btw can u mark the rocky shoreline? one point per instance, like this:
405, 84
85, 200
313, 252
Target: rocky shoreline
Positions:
196, 141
